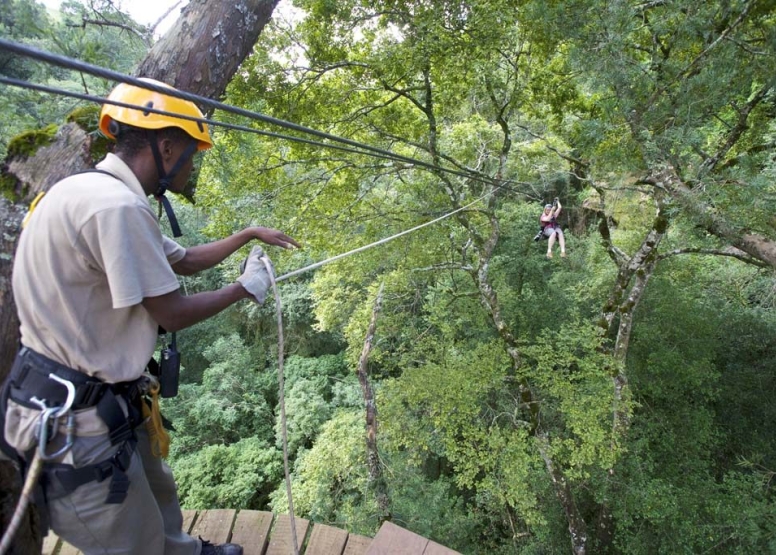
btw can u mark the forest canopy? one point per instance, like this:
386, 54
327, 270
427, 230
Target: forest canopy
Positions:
617, 400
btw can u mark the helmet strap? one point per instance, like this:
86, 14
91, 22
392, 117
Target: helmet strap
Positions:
166, 178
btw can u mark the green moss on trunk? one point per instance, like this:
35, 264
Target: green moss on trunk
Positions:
27, 144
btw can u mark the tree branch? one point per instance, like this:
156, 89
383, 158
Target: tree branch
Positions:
755, 245
730, 251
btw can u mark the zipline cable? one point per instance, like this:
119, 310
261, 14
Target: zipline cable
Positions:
235, 127
102, 100
70, 63
381, 241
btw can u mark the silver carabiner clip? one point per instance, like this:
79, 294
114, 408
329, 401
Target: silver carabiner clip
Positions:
55, 413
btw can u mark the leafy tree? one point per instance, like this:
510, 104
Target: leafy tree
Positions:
230, 404
239, 475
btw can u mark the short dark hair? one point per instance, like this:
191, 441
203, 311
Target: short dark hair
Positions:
131, 140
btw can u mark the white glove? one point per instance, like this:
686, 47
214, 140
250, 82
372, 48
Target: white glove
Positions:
255, 277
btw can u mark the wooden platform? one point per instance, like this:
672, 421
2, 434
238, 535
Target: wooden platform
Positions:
262, 533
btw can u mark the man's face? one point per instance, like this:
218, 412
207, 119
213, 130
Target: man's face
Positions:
179, 182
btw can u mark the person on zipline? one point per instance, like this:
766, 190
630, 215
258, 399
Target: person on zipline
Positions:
94, 279
550, 227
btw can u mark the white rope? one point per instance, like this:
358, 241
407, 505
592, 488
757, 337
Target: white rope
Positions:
380, 242
282, 398
24, 500
281, 346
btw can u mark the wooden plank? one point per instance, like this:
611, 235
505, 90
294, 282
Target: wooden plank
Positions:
189, 516
68, 549
280, 541
251, 530
392, 540
326, 540
357, 545
214, 525
435, 549
50, 543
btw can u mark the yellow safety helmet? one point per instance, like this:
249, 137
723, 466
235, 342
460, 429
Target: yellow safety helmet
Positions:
138, 96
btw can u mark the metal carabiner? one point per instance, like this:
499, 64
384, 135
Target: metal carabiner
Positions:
55, 413
69, 439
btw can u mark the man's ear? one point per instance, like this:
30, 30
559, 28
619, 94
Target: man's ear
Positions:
165, 148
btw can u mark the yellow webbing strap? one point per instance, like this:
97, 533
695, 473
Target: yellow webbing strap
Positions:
32, 208
160, 439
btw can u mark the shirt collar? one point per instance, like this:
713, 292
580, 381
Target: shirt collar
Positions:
116, 166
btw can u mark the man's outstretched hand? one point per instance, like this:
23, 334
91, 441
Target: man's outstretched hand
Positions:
275, 237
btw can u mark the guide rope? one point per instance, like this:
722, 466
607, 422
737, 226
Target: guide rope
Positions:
282, 398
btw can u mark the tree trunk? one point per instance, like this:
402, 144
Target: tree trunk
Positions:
617, 322
576, 524
200, 54
207, 44
376, 480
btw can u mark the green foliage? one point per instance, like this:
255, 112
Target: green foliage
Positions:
330, 479
310, 399
240, 475
573, 373
539, 98
230, 404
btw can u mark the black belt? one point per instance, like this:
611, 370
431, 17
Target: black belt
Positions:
30, 378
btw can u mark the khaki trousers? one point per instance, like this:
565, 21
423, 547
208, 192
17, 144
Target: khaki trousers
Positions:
148, 522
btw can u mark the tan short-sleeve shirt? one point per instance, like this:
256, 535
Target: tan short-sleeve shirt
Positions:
90, 253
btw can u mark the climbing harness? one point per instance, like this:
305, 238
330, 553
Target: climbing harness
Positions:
48, 424
37, 382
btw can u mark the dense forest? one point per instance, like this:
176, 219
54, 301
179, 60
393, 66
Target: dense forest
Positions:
618, 400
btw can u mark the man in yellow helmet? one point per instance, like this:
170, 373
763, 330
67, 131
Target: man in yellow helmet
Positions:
93, 280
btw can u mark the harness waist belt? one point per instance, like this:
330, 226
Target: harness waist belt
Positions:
30, 378
32, 374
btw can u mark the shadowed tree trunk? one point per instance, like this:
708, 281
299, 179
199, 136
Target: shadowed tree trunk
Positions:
617, 323
376, 480
200, 54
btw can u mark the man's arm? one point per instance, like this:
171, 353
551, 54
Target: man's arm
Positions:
174, 311
201, 257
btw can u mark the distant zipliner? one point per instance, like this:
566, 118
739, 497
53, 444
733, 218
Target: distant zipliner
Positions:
550, 229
